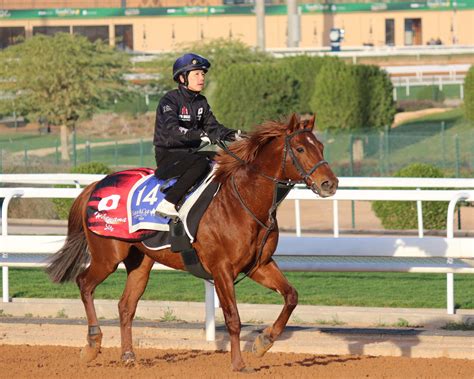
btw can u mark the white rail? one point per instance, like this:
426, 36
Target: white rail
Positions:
464, 191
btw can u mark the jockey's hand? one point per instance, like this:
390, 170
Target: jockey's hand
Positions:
237, 136
240, 135
205, 138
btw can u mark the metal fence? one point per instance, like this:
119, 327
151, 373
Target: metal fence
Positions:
362, 153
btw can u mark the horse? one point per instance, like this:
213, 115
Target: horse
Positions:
238, 233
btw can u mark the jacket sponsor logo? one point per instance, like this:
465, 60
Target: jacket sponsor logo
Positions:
184, 114
199, 114
166, 108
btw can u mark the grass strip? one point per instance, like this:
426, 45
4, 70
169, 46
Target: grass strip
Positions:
399, 290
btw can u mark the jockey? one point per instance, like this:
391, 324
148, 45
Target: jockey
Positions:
183, 120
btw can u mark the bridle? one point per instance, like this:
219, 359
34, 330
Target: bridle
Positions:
305, 175
280, 189
287, 150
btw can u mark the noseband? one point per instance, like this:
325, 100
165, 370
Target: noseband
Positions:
287, 150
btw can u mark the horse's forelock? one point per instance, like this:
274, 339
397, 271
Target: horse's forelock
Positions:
248, 148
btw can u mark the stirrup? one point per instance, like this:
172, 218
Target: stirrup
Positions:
166, 209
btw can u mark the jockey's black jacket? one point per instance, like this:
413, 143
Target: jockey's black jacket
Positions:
182, 117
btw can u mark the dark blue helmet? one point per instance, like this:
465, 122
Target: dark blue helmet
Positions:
189, 62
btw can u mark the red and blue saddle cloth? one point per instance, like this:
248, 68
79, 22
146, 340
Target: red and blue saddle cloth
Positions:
123, 205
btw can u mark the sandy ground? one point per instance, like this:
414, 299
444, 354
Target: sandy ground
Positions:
63, 362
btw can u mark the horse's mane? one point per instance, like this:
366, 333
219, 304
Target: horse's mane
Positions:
247, 149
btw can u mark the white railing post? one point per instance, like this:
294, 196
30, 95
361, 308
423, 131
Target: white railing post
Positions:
335, 216
6, 294
297, 218
210, 312
419, 211
450, 291
5, 282
450, 235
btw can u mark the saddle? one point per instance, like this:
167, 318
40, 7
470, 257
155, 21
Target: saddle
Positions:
122, 206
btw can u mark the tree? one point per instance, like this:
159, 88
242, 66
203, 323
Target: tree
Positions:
60, 79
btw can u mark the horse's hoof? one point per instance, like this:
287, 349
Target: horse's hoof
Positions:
88, 353
261, 345
242, 369
247, 370
128, 358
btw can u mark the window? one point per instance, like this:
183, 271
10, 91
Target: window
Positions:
413, 31
93, 33
390, 32
11, 36
50, 30
124, 37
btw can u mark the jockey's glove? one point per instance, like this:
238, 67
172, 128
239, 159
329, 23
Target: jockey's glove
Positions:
205, 138
240, 135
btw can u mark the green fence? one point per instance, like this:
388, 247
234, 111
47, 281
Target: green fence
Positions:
365, 153
385, 152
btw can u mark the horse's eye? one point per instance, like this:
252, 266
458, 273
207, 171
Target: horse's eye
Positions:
299, 149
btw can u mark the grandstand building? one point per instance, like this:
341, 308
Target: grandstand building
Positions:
160, 25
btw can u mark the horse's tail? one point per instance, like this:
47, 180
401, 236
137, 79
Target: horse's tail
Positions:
69, 261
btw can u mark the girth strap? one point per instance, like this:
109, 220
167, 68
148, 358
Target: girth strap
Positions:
180, 243
193, 265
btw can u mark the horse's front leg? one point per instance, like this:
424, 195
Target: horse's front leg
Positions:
270, 276
224, 284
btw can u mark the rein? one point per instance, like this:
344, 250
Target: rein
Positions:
280, 189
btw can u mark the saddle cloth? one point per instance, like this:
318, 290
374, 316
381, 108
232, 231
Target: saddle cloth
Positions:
122, 205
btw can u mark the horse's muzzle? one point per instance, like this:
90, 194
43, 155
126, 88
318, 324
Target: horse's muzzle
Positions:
326, 189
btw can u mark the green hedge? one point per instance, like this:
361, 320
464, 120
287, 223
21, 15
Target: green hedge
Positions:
352, 97
247, 95
469, 95
378, 107
403, 214
306, 69
62, 206
337, 100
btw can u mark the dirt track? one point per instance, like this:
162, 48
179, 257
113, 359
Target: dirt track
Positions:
63, 362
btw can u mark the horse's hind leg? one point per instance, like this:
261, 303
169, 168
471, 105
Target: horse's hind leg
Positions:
99, 269
270, 276
138, 271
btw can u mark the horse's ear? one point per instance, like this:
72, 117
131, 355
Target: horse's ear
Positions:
311, 122
293, 123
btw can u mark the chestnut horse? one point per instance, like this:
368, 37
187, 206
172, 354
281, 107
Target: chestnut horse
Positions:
237, 234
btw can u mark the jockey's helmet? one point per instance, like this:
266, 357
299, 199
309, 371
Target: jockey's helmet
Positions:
189, 62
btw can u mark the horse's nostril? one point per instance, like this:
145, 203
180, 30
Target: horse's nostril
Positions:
326, 185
